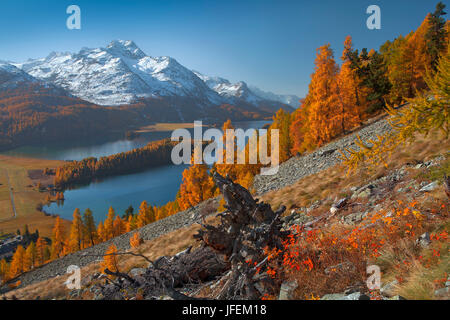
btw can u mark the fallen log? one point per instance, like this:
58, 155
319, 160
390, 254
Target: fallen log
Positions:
232, 251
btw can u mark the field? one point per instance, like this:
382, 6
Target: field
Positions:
14, 174
164, 127
6, 210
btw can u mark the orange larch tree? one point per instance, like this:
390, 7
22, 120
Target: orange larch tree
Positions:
135, 240
351, 98
17, 262
110, 259
109, 224
29, 259
76, 232
196, 187
41, 246
318, 121
119, 226
101, 232
58, 240
90, 236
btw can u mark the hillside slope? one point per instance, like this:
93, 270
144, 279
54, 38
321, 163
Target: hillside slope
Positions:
290, 171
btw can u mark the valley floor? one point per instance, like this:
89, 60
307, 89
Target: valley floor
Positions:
19, 197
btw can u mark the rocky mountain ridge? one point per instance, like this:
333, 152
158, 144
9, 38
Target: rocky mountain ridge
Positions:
122, 74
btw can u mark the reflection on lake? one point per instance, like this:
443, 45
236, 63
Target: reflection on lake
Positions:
157, 186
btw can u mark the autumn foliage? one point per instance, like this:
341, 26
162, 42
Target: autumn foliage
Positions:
341, 95
335, 257
110, 259
136, 240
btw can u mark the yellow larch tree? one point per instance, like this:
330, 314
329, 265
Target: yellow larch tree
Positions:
29, 259
41, 246
16, 267
76, 232
58, 240
110, 259
109, 224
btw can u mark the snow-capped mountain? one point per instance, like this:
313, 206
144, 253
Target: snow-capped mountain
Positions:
12, 78
229, 90
241, 90
289, 99
122, 74
119, 74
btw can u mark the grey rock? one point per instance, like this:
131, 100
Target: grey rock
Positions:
353, 296
302, 166
341, 203
326, 152
343, 296
137, 271
429, 187
424, 240
397, 297
287, 290
290, 217
75, 293
388, 289
98, 296
443, 292
334, 296
353, 218
363, 192
338, 205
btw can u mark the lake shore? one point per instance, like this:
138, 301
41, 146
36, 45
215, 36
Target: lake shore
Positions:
26, 196
157, 185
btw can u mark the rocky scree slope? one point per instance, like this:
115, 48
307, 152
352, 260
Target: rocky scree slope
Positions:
321, 159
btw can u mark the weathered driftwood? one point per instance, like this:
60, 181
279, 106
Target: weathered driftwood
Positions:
246, 228
232, 251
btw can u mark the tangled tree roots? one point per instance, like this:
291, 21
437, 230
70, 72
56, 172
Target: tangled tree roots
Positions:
233, 252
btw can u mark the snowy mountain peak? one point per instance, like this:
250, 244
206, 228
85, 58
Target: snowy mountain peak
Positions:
224, 87
11, 76
122, 74
126, 48
242, 91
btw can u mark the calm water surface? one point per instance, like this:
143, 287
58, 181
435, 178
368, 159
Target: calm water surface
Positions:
157, 186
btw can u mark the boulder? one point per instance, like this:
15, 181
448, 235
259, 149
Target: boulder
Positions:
388, 289
429, 187
443, 292
287, 289
137, 272
424, 240
343, 296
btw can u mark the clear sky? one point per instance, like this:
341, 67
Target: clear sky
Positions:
270, 44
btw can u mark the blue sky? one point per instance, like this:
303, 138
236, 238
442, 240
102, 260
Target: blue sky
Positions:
270, 44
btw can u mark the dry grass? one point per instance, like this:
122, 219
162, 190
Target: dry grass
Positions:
327, 184
420, 271
418, 279
164, 127
6, 211
334, 182
26, 197
166, 245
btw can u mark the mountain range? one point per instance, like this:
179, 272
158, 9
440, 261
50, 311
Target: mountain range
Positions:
117, 88
122, 74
